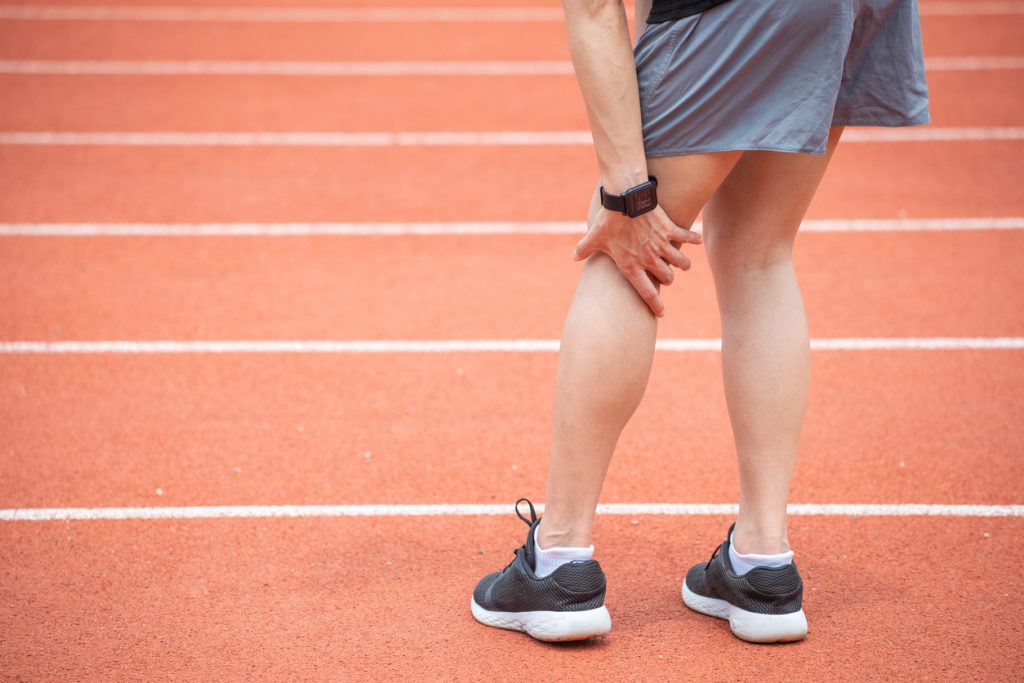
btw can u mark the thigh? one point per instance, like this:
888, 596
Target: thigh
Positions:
763, 199
686, 182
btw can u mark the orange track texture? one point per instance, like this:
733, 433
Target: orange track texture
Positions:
888, 598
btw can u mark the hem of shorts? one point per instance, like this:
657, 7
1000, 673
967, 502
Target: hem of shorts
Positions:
885, 123
816, 151
682, 151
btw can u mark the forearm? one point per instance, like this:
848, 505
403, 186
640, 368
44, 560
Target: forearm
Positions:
641, 10
603, 58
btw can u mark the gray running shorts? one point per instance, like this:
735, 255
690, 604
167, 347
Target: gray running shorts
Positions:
776, 74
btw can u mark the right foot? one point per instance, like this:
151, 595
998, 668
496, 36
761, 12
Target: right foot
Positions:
566, 605
765, 605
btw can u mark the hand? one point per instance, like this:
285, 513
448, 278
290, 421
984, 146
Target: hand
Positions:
644, 248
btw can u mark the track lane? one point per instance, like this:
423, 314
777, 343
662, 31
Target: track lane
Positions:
259, 103
371, 4
330, 599
100, 431
212, 288
356, 41
925, 4
252, 103
943, 35
100, 184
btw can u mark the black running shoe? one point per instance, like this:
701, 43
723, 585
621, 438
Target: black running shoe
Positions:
566, 605
765, 605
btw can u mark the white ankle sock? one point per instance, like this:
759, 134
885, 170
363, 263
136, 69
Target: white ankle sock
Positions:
741, 564
551, 559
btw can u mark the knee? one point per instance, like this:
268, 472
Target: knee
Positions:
733, 247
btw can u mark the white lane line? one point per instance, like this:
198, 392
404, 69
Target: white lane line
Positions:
282, 14
472, 345
839, 225
471, 510
911, 224
297, 229
973, 63
978, 7
300, 139
439, 139
930, 134
389, 68
262, 68
381, 14
285, 229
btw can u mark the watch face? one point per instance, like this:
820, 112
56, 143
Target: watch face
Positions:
641, 199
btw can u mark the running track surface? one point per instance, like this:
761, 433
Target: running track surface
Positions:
385, 598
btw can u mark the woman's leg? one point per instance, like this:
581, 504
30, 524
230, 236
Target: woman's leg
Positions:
605, 360
750, 224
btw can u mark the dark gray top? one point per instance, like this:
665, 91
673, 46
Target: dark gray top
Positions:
668, 10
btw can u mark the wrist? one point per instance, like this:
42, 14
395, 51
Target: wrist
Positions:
617, 181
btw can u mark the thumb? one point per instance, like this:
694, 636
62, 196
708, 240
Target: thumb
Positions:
584, 248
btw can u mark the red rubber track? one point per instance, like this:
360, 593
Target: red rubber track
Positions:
927, 284
464, 103
305, 3
507, 183
950, 36
882, 427
385, 599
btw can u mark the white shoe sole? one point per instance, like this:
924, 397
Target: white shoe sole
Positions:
548, 626
750, 626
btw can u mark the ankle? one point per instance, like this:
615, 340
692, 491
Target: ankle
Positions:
754, 541
552, 535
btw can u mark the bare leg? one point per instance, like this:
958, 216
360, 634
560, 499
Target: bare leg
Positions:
605, 360
750, 224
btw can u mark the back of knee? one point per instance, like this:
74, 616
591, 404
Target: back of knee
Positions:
746, 249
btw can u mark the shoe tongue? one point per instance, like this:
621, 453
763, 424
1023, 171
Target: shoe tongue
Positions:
530, 547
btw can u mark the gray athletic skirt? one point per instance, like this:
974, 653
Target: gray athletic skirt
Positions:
776, 74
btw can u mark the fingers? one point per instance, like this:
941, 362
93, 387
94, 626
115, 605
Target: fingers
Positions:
645, 288
673, 232
661, 272
671, 237
686, 236
676, 258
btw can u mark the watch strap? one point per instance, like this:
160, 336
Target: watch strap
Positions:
613, 202
625, 203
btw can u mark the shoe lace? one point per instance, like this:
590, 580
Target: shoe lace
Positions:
713, 556
533, 513
529, 522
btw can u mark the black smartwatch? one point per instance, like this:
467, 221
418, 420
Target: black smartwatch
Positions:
635, 201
